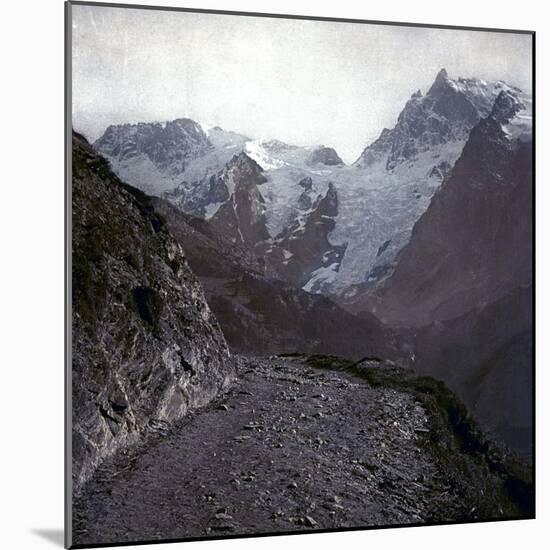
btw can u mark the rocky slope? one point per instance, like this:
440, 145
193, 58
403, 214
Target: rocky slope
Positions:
304, 444
464, 282
146, 348
262, 315
303, 247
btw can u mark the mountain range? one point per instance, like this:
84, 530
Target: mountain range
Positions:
374, 203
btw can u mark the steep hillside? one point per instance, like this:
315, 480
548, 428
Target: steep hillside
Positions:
145, 346
464, 282
486, 356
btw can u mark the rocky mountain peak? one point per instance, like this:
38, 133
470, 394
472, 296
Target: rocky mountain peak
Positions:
149, 153
242, 172
242, 217
244, 162
506, 106
325, 155
441, 80
445, 115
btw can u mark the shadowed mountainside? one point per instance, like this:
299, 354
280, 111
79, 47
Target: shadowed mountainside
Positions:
463, 285
145, 346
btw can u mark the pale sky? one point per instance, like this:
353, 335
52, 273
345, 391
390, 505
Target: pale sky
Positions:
300, 81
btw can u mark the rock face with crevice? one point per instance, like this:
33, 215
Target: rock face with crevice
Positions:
146, 348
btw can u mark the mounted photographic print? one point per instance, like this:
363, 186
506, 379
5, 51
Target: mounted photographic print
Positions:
300, 274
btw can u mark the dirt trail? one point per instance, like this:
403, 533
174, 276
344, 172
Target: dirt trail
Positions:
287, 448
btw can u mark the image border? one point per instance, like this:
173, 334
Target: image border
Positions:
68, 510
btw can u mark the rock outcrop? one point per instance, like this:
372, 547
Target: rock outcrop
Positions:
145, 346
325, 155
241, 218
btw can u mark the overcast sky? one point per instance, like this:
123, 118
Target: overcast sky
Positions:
303, 82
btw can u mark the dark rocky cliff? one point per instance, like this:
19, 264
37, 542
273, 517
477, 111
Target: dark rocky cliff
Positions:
146, 347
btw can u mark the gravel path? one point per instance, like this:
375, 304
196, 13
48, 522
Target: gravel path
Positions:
288, 448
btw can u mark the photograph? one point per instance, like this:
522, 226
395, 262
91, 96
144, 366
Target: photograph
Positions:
300, 274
